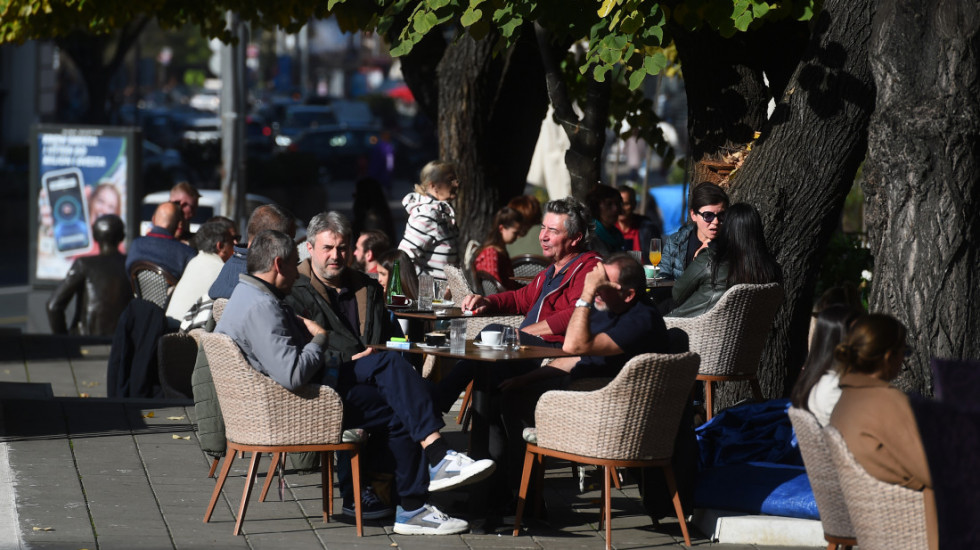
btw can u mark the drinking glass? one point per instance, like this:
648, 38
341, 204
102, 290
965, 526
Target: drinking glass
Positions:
425, 292
509, 339
441, 285
457, 335
655, 252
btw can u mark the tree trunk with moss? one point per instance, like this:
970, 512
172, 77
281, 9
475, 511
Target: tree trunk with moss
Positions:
922, 179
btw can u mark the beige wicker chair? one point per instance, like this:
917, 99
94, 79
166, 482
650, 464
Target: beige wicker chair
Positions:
730, 337
885, 516
602, 427
529, 265
837, 530
218, 308
263, 417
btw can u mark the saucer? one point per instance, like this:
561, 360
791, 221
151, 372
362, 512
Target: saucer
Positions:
491, 346
433, 348
443, 304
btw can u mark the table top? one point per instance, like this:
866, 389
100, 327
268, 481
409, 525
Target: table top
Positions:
659, 283
486, 354
430, 315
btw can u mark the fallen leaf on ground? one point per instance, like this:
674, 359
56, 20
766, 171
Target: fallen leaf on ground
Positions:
83, 395
175, 436
150, 414
175, 418
44, 528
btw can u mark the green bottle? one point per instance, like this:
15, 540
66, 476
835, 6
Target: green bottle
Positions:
394, 282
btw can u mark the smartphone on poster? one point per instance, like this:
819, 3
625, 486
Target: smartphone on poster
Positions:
69, 210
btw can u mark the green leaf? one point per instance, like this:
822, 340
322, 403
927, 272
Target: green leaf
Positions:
436, 4
607, 6
760, 9
655, 63
807, 14
637, 78
600, 73
402, 48
632, 23
470, 16
609, 56
743, 21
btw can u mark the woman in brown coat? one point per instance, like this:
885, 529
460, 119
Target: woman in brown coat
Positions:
874, 417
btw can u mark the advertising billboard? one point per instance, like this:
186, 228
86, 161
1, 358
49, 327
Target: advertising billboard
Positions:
78, 173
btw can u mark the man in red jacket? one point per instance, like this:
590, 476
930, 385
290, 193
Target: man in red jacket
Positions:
548, 302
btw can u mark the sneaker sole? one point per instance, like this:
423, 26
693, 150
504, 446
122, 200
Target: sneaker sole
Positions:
409, 529
461, 480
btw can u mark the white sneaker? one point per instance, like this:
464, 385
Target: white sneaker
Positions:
428, 520
456, 470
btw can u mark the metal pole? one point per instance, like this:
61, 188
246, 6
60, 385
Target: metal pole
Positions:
233, 183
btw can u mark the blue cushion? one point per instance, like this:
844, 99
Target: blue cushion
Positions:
757, 488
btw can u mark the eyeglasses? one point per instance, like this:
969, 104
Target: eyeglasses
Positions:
708, 216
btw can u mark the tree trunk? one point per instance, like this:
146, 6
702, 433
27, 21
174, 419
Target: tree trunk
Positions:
800, 171
490, 110
726, 95
922, 179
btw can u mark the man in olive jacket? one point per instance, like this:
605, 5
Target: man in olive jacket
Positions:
349, 304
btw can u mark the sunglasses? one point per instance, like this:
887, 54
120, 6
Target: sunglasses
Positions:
709, 216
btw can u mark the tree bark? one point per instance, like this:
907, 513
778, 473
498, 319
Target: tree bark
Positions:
490, 110
800, 171
922, 179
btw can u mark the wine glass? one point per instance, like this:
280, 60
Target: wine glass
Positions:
655, 252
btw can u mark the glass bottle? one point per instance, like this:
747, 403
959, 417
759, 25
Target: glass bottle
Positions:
394, 282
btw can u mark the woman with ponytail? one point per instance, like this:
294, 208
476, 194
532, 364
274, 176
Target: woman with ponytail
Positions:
817, 388
874, 417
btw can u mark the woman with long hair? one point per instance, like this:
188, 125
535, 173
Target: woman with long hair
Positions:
606, 204
816, 390
493, 257
386, 265
739, 256
874, 417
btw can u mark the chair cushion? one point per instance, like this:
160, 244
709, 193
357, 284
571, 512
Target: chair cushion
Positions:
356, 435
530, 435
757, 488
759, 432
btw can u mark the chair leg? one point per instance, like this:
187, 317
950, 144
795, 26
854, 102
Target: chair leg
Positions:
678, 509
355, 468
326, 482
756, 389
225, 468
214, 466
522, 493
607, 505
539, 486
276, 457
615, 478
253, 470
467, 396
709, 400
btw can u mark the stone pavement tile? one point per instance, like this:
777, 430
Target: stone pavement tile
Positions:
420, 542
147, 541
90, 376
13, 371
501, 540
57, 373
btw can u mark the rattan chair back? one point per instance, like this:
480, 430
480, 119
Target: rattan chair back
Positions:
259, 411
456, 282
885, 516
731, 336
151, 283
488, 285
633, 417
529, 265
218, 308
823, 475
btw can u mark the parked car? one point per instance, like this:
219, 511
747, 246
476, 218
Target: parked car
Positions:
340, 152
300, 118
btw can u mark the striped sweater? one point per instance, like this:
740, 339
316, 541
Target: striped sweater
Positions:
430, 234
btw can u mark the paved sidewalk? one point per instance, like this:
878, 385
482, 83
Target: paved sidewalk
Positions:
89, 472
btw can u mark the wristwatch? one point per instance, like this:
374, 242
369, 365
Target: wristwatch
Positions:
582, 303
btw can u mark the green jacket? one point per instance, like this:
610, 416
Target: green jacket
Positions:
309, 299
694, 291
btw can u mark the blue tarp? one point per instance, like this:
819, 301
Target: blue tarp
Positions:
670, 199
750, 462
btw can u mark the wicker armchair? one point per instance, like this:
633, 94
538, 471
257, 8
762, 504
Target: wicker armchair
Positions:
218, 308
151, 283
602, 427
730, 337
837, 529
529, 265
885, 516
488, 285
263, 417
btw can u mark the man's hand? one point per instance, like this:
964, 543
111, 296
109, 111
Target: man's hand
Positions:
315, 329
474, 303
364, 353
596, 280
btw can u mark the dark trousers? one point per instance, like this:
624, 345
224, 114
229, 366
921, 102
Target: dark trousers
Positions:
384, 395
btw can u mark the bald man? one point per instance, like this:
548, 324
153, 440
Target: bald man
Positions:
159, 245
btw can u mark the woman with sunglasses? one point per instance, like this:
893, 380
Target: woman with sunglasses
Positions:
739, 256
874, 417
708, 205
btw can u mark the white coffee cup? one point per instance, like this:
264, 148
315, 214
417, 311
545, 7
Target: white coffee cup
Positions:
491, 337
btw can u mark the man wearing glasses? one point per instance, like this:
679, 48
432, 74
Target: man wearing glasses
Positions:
708, 205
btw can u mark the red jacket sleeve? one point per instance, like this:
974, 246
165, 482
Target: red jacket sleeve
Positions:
564, 304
